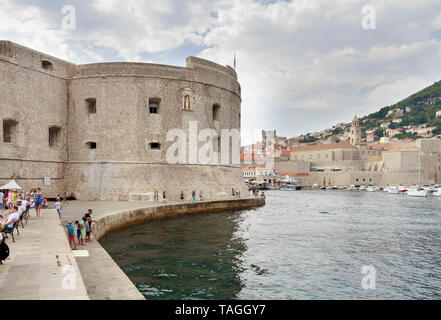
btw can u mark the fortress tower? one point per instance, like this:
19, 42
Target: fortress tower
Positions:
355, 135
101, 130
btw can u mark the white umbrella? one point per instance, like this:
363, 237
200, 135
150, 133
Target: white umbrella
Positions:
11, 185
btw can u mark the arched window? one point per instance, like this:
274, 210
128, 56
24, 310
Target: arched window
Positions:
216, 112
154, 105
10, 128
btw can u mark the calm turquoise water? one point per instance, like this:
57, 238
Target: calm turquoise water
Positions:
301, 245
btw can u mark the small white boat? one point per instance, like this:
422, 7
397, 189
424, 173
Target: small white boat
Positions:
352, 187
371, 189
430, 189
315, 186
362, 188
437, 193
393, 190
387, 189
334, 187
417, 192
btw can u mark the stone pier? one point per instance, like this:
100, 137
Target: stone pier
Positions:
41, 256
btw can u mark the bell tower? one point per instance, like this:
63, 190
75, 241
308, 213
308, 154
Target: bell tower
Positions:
355, 136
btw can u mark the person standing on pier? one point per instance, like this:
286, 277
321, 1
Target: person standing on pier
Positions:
38, 201
164, 198
58, 206
71, 234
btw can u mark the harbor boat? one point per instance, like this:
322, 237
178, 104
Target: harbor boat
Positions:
387, 189
290, 187
393, 190
437, 193
417, 192
322, 188
430, 189
287, 189
315, 186
352, 187
402, 188
334, 187
371, 189
362, 188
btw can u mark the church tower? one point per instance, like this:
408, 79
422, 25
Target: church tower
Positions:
355, 136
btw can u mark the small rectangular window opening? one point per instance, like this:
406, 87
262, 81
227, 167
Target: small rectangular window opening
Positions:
91, 105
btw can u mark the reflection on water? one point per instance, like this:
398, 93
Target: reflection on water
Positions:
301, 245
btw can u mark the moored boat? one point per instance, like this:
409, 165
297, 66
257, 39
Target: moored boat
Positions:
393, 190
417, 192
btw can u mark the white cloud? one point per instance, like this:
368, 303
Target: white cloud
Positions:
301, 57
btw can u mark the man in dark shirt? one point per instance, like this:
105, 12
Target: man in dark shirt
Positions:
89, 215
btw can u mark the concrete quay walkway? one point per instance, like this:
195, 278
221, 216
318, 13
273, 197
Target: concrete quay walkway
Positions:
103, 278
41, 265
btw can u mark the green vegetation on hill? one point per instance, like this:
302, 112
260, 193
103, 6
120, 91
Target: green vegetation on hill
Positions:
423, 107
308, 139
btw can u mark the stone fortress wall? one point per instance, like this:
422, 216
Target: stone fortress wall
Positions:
90, 128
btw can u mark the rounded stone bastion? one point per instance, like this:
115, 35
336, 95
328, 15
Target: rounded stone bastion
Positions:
125, 120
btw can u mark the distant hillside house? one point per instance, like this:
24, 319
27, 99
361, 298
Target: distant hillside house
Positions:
371, 137
438, 113
392, 132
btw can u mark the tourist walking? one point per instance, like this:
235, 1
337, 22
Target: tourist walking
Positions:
182, 195
201, 195
232, 192
58, 206
193, 195
164, 198
38, 201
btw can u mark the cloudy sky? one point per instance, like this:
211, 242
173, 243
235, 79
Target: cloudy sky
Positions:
303, 65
